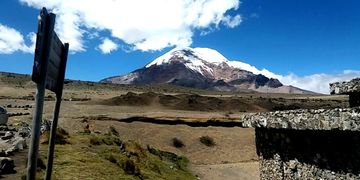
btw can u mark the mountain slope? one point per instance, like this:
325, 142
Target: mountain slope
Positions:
202, 68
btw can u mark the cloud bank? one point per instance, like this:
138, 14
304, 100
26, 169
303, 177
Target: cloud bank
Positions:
143, 25
318, 82
12, 40
315, 82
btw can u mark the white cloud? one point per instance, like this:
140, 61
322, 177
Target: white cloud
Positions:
315, 82
107, 46
231, 22
143, 25
318, 82
12, 40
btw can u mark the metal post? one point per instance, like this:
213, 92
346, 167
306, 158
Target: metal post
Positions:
35, 135
36, 125
51, 147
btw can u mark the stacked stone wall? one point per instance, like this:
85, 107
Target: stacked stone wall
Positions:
308, 154
310, 144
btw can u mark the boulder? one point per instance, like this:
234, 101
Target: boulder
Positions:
3, 116
6, 165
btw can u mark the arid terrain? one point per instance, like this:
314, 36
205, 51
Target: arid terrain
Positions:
166, 118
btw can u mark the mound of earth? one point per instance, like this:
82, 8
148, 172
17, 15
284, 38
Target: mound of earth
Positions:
194, 102
132, 99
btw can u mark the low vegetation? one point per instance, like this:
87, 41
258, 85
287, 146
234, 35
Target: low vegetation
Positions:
94, 156
207, 140
177, 143
61, 137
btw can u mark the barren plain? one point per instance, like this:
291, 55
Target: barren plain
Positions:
147, 117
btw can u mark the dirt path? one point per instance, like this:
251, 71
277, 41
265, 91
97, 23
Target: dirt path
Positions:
231, 171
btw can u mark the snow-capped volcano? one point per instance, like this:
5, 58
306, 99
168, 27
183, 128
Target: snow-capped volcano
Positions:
198, 60
206, 69
192, 56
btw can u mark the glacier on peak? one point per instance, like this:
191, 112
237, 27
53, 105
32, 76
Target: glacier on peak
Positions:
197, 59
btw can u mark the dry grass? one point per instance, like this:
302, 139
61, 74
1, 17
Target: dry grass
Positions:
84, 159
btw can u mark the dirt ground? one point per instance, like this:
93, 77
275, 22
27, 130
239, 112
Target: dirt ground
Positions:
97, 108
233, 155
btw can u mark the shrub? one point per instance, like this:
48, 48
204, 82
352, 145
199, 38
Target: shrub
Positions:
207, 140
40, 165
61, 137
177, 143
129, 167
111, 158
95, 140
105, 139
113, 131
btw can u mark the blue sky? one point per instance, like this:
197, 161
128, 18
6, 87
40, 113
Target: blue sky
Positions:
308, 43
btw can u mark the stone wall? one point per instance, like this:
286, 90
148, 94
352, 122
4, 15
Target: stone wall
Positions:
307, 144
308, 154
306, 119
351, 88
345, 87
310, 144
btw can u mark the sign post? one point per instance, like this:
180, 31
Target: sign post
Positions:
60, 84
48, 72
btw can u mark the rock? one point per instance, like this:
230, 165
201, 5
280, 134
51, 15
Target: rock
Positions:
3, 116
8, 135
45, 126
6, 165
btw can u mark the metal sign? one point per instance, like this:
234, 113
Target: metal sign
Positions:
39, 48
48, 72
52, 76
48, 52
